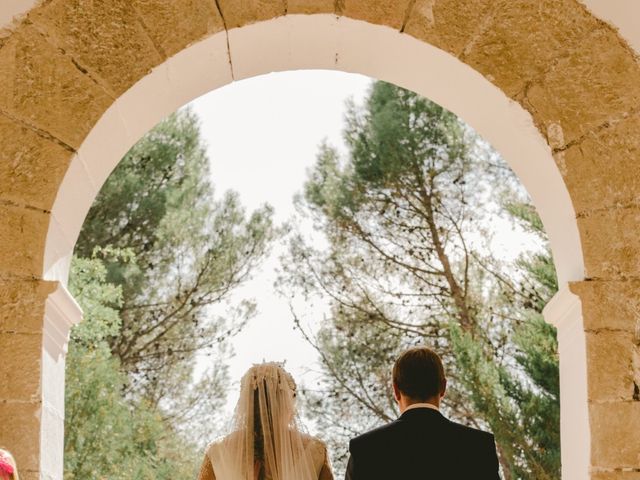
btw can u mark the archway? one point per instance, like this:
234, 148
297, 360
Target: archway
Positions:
36, 113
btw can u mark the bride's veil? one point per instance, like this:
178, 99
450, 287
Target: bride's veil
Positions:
265, 438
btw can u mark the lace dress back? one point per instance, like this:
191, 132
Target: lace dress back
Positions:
314, 447
265, 439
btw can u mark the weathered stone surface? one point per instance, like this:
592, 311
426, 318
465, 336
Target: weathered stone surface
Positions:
447, 24
311, 6
29, 475
613, 305
22, 304
175, 24
615, 475
596, 83
602, 169
615, 442
511, 53
24, 156
22, 238
43, 87
20, 366
106, 38
610, 365
20, 430
381, 12
610, 243
237, 13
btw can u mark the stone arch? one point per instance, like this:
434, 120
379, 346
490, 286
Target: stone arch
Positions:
550, 82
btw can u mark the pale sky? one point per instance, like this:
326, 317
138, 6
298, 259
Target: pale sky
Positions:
262, 136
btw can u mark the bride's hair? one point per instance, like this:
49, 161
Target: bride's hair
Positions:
265, 435
258, 437
264, 413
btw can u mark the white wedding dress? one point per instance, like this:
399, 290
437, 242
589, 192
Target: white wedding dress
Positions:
265, 439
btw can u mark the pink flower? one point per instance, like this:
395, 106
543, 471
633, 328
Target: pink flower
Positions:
6, 468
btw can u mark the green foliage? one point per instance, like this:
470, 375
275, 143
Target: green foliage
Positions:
354, 352
408, 216
541, 282
166, 168
100, 299
156, 253
190, 251
108, 435
520, 411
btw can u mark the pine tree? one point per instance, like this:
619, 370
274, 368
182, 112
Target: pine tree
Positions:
408, 216
157, 251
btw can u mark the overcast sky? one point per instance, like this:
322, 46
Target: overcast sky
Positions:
262, 136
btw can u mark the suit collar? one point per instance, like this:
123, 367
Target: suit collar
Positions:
422, 405
421, 413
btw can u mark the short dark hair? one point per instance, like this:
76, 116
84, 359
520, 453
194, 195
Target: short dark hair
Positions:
418, 373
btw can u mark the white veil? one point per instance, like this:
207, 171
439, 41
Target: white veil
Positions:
265, 440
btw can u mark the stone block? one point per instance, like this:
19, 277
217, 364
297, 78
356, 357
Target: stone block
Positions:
615, 475
447, 24
175, 24
20, 367
22, 303
602, 169
24, 158
309, 7
237, 13
105, 38
610, 243
615, 441
29, 475
610, 366
22, 238
20, 433
41, 85
379, 12
508, 51
575, 97
612, 305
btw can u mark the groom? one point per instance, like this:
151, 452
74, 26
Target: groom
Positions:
422, 444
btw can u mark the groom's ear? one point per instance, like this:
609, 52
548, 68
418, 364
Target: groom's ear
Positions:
443, 387
396, 392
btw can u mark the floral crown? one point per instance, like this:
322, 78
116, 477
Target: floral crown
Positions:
270, 370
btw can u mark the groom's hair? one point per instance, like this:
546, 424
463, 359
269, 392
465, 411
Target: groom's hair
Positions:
418, 373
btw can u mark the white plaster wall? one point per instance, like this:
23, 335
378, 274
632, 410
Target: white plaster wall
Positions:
564, 312
10, 9
61, 313
622, 14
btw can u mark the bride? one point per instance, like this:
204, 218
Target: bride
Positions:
265, 441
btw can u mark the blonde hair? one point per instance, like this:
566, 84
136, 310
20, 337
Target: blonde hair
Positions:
6, 456
265, 438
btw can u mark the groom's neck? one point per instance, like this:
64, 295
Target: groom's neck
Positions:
405, 402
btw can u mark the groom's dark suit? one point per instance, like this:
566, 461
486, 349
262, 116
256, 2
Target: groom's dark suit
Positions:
423, 445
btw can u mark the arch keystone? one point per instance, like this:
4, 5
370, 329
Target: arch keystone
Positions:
175, 24
447, 24
237, 13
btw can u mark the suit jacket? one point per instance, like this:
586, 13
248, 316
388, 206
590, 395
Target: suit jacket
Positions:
423, 445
